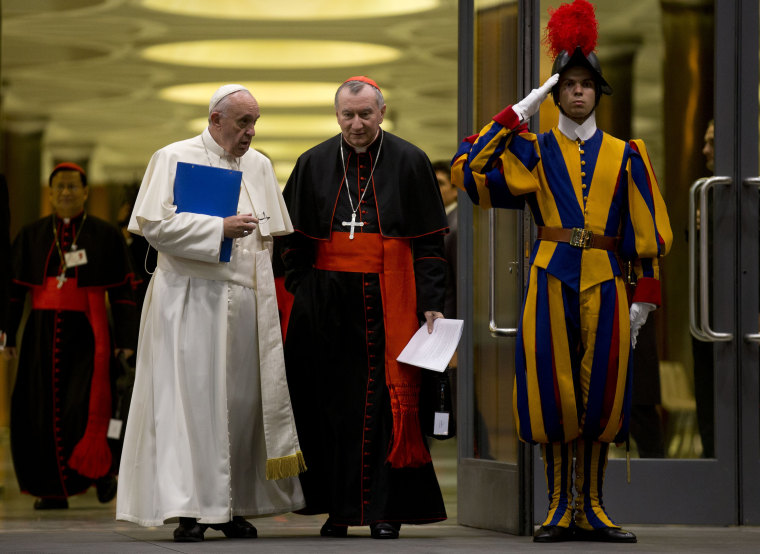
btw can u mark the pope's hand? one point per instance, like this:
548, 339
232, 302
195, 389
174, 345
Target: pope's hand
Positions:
239, 226
529, 105
639, 313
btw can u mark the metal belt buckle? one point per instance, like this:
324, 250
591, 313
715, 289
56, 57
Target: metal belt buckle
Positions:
581, 238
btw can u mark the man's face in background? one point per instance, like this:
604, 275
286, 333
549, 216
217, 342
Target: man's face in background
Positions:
709, 148
448, 191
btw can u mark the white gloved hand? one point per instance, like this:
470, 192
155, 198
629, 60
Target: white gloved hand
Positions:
529, 105
639, 313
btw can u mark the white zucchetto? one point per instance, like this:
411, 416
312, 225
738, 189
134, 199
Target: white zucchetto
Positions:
221, 92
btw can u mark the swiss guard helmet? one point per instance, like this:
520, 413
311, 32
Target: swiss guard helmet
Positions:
570, 37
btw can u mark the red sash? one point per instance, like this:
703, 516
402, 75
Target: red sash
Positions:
392, 260
91, 456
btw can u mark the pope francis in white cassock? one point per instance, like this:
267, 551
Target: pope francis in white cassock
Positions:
210, 437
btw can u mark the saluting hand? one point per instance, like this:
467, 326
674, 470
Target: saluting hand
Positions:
529, 105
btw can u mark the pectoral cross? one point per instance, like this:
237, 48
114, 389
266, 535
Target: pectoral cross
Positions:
61, 280
353, 223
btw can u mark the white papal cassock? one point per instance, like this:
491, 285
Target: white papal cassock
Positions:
210, 417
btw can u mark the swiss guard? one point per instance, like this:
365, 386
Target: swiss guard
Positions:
597, 207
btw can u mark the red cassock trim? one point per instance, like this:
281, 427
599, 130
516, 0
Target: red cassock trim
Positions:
391, 258
91, 456
69, 297
284, 304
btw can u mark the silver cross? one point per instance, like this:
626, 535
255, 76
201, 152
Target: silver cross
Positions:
353, 223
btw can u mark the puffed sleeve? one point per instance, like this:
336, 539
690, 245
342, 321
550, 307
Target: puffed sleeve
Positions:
497, 166
646, 232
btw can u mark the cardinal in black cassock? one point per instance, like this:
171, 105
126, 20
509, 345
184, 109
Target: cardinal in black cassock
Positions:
366, 265
61, 405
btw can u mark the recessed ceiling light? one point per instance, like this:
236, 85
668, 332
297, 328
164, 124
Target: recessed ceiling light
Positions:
290, 9
270, 53
269, 94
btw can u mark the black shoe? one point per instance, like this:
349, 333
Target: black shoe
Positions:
106, 488
605, 534
238, 528
331, 530
189, 530
384, 530
553, 533
51, 504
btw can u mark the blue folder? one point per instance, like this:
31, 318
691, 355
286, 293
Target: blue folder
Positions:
202, 189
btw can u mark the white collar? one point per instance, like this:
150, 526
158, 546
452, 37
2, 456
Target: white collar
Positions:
573, 130
214, 147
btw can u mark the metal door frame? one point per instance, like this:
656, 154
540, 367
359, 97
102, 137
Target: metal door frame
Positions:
490, 494
742, 112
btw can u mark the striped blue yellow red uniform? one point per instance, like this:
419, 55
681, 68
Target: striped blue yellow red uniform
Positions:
573, 373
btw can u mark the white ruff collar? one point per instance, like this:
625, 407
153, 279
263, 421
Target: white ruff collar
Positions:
573, 130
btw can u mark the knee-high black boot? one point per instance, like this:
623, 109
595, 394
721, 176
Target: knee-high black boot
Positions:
558, 468
591, 520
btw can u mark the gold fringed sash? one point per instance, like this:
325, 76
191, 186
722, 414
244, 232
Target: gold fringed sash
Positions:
284, 457
288, 466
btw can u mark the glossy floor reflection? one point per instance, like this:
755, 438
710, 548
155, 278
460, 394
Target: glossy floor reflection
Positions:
89, 527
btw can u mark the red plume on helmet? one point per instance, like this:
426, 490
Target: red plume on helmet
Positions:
570, 37
571, 26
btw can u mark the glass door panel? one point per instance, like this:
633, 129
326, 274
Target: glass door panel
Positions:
491, 477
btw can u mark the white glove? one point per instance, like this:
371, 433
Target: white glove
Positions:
639, 313
529, 105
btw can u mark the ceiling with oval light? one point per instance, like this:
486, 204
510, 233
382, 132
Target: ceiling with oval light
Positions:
270, 53
269, 94
292, 9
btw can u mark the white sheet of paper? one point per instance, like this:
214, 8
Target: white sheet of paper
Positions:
441, 423
434, 350
114, 429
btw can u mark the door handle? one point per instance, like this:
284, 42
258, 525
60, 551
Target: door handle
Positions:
704, 269
752, 182
493, 327
694, 327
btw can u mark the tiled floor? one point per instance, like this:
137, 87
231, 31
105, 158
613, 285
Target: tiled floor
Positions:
89, 527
